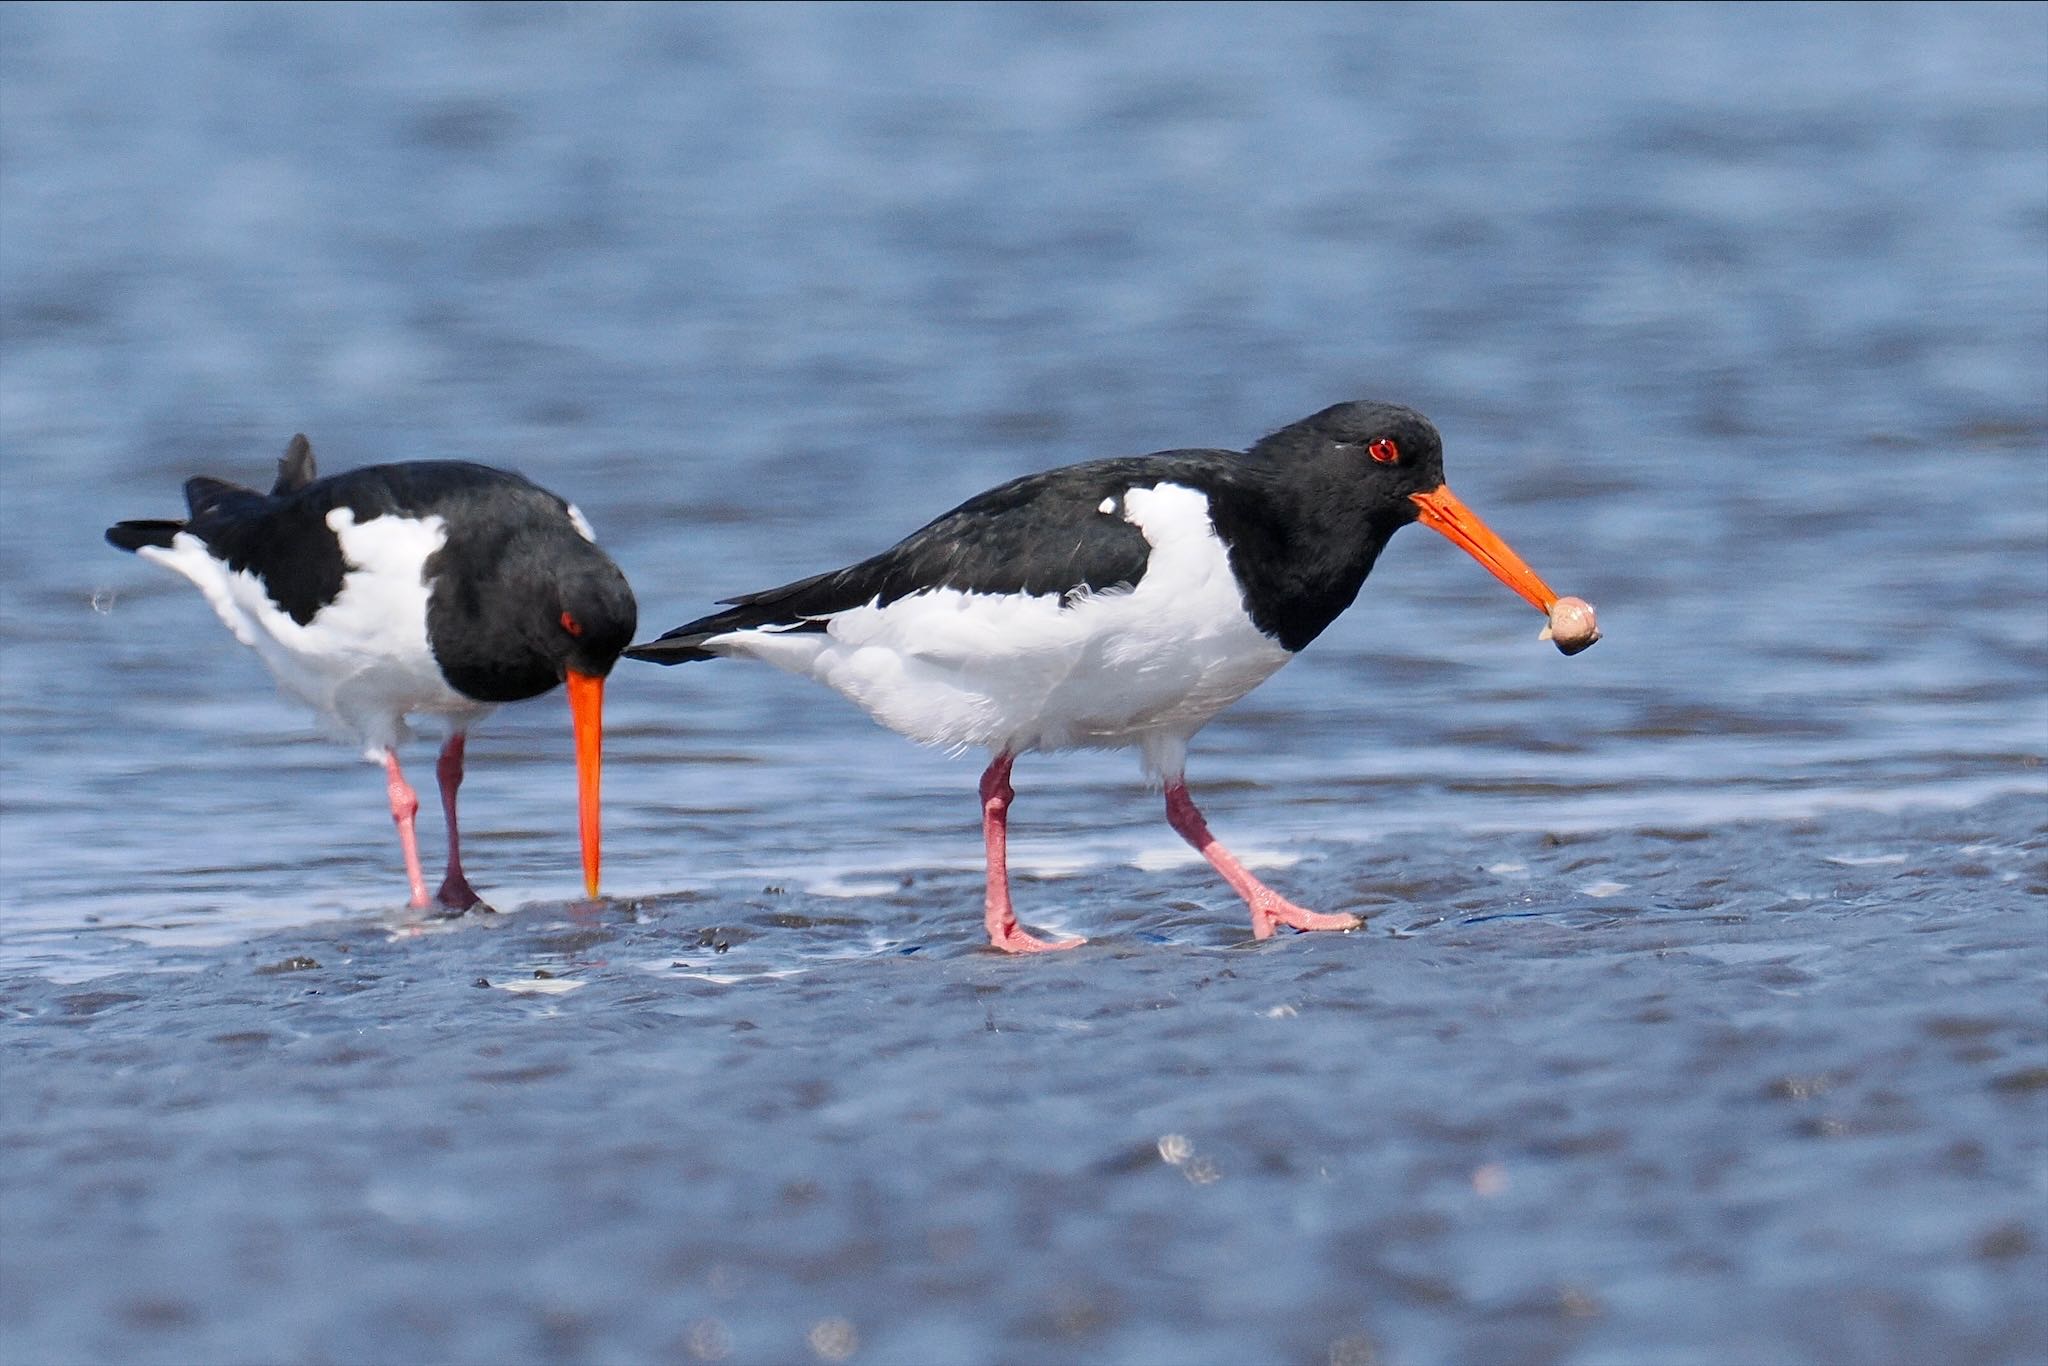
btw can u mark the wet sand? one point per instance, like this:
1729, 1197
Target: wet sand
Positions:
1764, 1093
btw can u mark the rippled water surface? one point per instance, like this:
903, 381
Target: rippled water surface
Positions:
1699, 1013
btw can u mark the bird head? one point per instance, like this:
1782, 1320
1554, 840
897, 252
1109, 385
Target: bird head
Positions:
1388, 462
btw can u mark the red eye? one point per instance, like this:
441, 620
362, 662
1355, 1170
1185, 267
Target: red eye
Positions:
571, 625
1384, 451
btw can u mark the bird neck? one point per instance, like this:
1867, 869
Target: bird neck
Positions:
1300, 558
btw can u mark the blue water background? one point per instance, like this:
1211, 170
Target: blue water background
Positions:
1734, 319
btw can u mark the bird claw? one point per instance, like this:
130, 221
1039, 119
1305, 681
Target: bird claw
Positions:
1268, 912
1016, 940
455, 897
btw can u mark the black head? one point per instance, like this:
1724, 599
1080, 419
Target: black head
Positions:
1373, 457
1338, 484
595, 615
520, 603
1390, 461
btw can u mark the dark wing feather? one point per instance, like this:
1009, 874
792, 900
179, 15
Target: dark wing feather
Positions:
1041, 534
286, 541
294, 472
212, 502
283, 537
295, 469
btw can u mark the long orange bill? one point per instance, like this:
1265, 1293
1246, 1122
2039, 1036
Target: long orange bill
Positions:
1441, 511
586, 712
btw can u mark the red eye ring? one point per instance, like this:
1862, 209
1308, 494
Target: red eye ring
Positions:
1384, 451
571, 625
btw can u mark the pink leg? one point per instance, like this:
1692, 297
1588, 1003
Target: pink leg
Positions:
456, 894
1268, 906
1003, 930
404, 806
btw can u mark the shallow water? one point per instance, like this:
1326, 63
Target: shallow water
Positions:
1698, 1016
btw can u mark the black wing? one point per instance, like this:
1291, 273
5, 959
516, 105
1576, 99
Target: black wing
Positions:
282, 537
1061, 531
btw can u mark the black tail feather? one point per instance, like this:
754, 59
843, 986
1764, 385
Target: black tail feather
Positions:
207, 498
673, 648
135, 535
686, 643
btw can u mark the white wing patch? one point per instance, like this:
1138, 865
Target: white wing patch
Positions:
582, 524
363, 662
1149, 665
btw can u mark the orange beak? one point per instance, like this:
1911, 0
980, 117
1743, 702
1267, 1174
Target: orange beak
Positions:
1441, 511
586, 712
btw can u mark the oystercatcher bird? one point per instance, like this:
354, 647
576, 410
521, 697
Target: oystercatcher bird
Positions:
435, 588
1116, 603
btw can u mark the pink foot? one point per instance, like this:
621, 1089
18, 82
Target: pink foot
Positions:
1015, 940
1003, 930
1268, 907
1271, 909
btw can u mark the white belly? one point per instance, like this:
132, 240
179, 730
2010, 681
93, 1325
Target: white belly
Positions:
1148, 666
363, 662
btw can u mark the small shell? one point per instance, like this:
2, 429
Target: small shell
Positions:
1572, 625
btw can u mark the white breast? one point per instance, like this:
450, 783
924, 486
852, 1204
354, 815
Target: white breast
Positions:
363, 662
1146, 666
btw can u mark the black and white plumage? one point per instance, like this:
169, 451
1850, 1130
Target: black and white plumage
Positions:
433, 589
1117, 603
